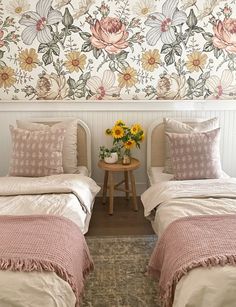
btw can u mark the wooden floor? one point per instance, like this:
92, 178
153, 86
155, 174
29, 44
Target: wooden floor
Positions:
124, 220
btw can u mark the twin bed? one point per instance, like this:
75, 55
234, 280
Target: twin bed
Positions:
194, 220
44, 258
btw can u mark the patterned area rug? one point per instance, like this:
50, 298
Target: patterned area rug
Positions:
119, 277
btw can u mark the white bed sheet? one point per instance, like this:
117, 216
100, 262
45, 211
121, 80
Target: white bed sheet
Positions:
200, 287
37, 289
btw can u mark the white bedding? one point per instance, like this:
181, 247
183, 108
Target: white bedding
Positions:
176, 199
70, 196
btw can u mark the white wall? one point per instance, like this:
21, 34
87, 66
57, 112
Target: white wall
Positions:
100, 116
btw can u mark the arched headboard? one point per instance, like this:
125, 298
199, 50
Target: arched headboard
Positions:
155, 144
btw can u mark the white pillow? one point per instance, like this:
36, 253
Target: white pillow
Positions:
69, 150
174, 126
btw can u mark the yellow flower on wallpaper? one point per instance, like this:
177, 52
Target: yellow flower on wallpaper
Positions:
196, 61
128, 77
28, 59
117, 132
150, 60
142, 8
75, 61
7, 77
18, 7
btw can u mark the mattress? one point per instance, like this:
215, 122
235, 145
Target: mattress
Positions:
156, 175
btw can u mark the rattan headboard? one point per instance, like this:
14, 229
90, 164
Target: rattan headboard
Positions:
155, 144
83, 138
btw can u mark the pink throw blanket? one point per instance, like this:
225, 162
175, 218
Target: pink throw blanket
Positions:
45, 243
191, 242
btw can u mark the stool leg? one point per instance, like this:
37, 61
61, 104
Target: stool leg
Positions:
133, 189
111, 191
104, 192
126, 175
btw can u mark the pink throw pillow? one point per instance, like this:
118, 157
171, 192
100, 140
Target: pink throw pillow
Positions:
195, 155
36, 153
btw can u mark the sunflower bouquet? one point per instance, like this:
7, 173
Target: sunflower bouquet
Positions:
126, 137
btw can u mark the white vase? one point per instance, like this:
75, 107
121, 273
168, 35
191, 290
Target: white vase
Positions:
112, 159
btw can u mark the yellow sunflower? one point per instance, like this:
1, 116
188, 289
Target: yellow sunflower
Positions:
128, 77
129, 144
150, 60
7, 77
117, 132
76, 61
196, 61
119, 122
108, 131
28, 59
135, 129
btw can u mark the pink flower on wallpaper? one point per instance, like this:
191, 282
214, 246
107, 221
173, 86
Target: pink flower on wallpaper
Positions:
221, 88
162, 23
38, 23
110, 34
225, 35
104, 89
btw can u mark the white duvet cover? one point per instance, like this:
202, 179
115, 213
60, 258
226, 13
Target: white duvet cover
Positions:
70, 196
201, 287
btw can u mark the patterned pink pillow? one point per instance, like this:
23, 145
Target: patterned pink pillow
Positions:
195, 155
36, 153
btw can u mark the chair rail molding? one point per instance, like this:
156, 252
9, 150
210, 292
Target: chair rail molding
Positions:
108, 106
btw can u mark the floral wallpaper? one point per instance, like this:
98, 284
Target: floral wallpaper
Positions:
79, 50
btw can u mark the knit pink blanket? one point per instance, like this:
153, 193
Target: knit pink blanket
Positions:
45, 243
191, 242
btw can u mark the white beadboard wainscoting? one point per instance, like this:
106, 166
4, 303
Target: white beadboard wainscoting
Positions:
100, 116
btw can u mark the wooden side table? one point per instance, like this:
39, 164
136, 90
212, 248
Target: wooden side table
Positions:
128, 175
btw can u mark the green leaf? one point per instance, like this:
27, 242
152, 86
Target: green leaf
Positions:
86, 76
85, 36
218, 52
43, 48
112, 66
198, 30
1, 54
80, 94
169, 58
207, 35
47, 57
87, 46
67, 19
122, 55
74, 29
208, 46
191, 82
97, 52
166, 48
71, 82
123, 64
205, 75
178, 50
192, 19
55, 49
